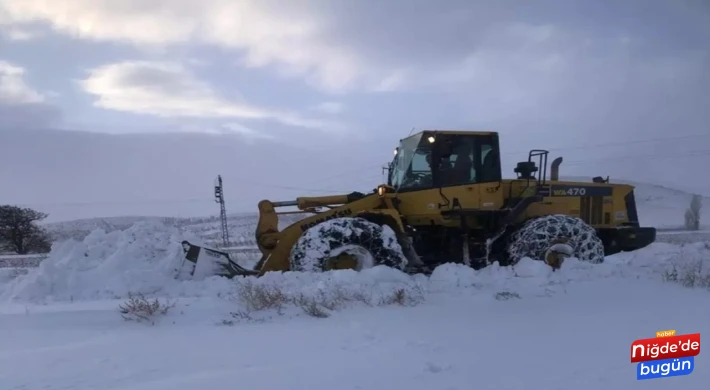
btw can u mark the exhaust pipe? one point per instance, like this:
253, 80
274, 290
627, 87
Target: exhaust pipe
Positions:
555, 169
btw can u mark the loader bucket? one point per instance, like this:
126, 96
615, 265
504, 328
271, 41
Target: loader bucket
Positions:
205, 262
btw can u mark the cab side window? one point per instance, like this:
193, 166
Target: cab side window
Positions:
458, 168
489, 162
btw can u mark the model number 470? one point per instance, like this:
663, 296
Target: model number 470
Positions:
577, 191
570, 191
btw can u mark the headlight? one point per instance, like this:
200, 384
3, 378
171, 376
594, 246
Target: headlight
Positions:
381, 191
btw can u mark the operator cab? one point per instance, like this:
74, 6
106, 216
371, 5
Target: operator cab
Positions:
434, 159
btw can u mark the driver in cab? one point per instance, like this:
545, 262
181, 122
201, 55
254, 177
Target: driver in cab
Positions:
450, 173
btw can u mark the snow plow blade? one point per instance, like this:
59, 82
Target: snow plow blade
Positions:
209, 262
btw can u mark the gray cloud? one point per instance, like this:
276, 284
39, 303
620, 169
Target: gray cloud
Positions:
21, 106
168, 89
13, 88
618, 88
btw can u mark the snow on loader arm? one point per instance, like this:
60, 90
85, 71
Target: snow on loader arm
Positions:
206, 262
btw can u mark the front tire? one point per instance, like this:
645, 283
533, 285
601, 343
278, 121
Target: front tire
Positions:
539, 235
368, 243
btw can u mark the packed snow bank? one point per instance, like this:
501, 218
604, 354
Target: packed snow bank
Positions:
148, 258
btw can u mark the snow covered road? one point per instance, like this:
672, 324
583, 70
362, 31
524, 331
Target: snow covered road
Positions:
564, 330
573, 340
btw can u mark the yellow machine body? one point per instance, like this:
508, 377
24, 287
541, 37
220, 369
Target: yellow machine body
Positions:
446, 198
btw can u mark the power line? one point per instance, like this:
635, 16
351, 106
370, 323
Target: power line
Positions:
358, 169
690, 153
620, 143
289, 187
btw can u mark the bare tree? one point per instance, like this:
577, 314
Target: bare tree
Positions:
692, 214
19, 232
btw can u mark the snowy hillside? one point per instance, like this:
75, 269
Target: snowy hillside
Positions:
378, 329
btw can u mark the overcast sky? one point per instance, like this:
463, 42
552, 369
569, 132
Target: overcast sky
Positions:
132, 107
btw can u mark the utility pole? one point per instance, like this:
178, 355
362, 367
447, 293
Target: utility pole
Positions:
219, 198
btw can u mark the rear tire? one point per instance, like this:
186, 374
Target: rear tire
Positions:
370, 243
538, 235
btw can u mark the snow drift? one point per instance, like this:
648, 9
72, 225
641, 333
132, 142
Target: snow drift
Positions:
148, 258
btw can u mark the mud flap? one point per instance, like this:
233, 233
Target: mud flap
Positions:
204, 262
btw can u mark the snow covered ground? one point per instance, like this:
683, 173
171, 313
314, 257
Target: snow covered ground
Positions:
520, 328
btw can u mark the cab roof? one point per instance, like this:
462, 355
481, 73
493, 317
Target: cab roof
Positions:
453, 132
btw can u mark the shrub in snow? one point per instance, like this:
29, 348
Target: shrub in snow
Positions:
256, 297
320, 294
506, 295
402, 297
314, 308
690, 267
138, 308
241, 316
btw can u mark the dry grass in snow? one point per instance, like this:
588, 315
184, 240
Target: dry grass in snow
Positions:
261, 297
138, 308
690, 267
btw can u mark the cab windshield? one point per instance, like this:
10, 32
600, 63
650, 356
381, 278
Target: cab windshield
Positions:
410, 167
428, 160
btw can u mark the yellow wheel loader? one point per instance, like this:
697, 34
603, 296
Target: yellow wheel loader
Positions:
446, 201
